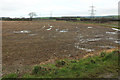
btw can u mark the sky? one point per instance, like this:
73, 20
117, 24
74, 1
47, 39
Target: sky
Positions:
57, 8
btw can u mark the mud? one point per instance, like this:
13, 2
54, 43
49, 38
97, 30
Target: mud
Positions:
45, 40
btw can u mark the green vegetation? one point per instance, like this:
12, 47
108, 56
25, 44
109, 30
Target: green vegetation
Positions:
13, 75
117, 27
78, 19
92, 67
106, 24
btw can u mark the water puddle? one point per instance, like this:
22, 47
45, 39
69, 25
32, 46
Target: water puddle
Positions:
98, 36
118, 41
49, 29
43, 27
23, 31
116, 29
89, 40
64, 30
51, 26
32, 34
92, 40
90, 27
111, 32
85, 49
110, 47
110, 38
57, 29
83, 41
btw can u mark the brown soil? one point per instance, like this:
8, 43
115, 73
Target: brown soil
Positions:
21, 51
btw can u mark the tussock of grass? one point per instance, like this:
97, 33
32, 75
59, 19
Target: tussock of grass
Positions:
83, 68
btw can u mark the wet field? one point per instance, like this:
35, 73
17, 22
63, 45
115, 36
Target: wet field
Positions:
27, 43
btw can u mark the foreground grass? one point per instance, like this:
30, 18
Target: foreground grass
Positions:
106, 64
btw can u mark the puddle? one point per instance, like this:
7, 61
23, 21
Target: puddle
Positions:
49, 29
116, 29
88, 50
43, 27
92, 40
118, 42
85, 49
111, 32
32, 34
63, 31
110, 47
23, 31
51, 26
57, 29
83, 41
98, 36
90, 27
89, 40
110, 38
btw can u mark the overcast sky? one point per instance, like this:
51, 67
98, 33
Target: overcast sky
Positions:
21, 8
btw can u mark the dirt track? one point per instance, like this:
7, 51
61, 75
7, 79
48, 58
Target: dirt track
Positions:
27, 43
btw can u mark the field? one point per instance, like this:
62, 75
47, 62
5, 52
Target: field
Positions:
30, 43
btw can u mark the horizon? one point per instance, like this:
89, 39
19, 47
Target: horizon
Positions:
59, 16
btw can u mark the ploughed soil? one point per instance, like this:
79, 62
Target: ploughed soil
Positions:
29, 43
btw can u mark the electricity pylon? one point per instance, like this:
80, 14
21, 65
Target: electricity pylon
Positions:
92, 11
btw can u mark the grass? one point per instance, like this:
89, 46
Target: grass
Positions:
117, 27
13, 75
106, 24
91, 67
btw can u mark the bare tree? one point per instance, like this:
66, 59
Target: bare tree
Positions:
32, 14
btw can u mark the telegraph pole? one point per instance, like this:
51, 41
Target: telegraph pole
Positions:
92, 11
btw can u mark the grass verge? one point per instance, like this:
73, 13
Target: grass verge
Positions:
103, 66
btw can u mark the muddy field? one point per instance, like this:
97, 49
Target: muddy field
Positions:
27, 43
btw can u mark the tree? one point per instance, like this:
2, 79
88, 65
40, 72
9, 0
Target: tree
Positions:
32, 14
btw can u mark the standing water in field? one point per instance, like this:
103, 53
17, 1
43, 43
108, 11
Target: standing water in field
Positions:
118, 41
50, 27
90, 27
32, 34
23, 31
111, 32
64, 30
116, 29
